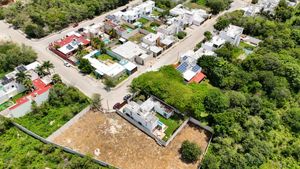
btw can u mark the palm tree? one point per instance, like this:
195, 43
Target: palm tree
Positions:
27, 83
56, 79
21, 76
48, 65
41, 71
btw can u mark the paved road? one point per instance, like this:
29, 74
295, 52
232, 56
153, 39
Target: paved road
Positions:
89, 85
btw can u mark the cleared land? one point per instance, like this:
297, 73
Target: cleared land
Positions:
124, 146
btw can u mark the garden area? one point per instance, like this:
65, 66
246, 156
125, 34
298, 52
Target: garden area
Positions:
18, 150
104, 57
151, 27
64, 103
137, 38
6, 105
173, 123
197, 4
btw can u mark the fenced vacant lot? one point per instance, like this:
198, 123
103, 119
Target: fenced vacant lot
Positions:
123, 145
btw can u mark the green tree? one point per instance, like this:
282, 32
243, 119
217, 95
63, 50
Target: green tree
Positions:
85, 66
109, 83
96, 102
47, 65
292, 119
24, 79
56, 79
217, 6
181, 35
190, 151
221, 24
216, 102
34, 31
208, 35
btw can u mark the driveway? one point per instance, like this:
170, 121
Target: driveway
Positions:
88, 85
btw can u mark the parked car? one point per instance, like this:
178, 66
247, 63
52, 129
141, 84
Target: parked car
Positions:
117, 106
125, 98
67, 64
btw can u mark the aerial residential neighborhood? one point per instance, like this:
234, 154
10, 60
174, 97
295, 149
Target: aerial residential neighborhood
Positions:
152, 84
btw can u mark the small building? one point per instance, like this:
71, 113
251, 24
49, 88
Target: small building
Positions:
132, 52
188, 67
145, 113
129, 66
9, 87
93, 30
132, 14
39, 96
152, 38
250, 40
167, 42
232, 34
156, 50
215, 43
107, 69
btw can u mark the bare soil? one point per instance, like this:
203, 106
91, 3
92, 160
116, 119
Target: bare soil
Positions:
124, 146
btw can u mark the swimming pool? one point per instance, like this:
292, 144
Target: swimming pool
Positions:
106, 41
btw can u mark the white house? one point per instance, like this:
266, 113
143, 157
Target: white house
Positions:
262, 5
189, 17
232, 34
107, 68
132, 52
132, 14
39, 95
152, 38
215, 43
8, 85
144, 113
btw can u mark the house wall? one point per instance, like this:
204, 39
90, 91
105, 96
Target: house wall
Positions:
11, 89
25, 108
234, 41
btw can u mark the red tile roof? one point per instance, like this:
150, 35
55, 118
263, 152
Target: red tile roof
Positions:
198, 78
40, 88
69, 39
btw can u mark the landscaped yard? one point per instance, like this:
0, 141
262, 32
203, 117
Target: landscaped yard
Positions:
173, 123
143, 20
63, 104
244, 45
6, 105
18, 96
137, 37
120, 79
104, 57
200, 4
155, 13
151, 26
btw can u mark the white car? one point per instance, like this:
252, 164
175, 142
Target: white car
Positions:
67, 64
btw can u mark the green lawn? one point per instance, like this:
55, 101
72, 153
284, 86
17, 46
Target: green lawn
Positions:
16, 97
237, 52
18, 150
137, 37
246, 46
155, 13
200, 4
104, 57
6, 105
173, 123
143, 20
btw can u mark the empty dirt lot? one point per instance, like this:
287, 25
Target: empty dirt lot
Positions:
124, 146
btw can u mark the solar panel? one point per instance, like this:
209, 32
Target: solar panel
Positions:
182, 67
69, 47
184, 58
21, 68
4, 82
196, 68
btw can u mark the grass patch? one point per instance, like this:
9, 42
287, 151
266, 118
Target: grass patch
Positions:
104, 57
200, 4
121, 79
137, 37
18, 96
246, 46
6, 105
236, 52
19, 150
155, 13
143, 20
173, 123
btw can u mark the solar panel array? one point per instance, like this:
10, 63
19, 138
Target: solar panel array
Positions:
182, 67
69, 47
196, 68
21, 68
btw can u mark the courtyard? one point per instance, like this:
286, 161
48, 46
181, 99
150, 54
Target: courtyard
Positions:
110, 138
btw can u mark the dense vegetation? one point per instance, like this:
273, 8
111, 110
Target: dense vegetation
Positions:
12, 55
41, 17
190, 151
18, 150
255, 107
64, 103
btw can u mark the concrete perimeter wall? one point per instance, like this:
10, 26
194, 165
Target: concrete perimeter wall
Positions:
66, 149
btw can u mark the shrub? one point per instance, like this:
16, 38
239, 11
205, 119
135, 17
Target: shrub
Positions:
181, 35
190, 152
